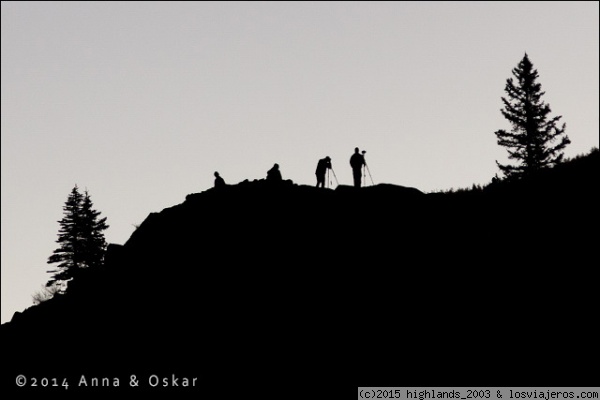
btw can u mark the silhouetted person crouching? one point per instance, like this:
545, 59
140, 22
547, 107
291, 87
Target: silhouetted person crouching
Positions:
356, 162
219, 182
274, 175
322, 166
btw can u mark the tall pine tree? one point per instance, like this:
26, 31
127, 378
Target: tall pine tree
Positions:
80, 237
94, 244
534, 141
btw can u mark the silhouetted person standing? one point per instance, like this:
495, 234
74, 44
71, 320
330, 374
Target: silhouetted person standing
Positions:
357, 161
274, 175
219, 182
322, 166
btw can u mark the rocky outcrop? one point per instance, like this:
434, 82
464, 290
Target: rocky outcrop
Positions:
289, 283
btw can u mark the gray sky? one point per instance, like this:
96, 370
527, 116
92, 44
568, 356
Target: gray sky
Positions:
142, 102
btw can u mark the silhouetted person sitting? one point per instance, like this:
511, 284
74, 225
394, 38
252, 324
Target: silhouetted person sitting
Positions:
219, 182
274, 175
322, 166
356, 162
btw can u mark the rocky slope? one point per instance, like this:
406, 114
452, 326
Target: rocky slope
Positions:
385, 285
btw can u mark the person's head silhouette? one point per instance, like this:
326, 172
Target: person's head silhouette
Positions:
216, 174
356, 150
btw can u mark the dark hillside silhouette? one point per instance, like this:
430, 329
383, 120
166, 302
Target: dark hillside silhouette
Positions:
237, 287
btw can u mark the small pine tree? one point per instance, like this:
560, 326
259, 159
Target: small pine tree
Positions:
68, 255
80, 237
531, 140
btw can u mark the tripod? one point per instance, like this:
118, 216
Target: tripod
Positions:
365, 170
336, 180
328, 179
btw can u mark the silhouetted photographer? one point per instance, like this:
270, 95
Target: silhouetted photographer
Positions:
322, 166
356, 162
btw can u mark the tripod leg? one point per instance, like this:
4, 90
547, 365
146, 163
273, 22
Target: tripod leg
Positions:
370, 176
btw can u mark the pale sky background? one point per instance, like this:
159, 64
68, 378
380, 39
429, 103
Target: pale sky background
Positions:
141, 102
